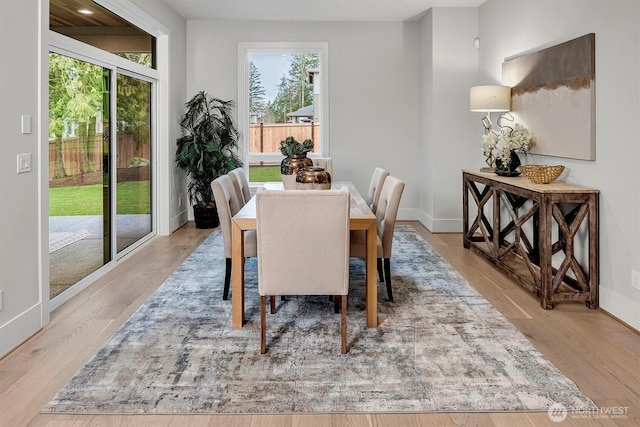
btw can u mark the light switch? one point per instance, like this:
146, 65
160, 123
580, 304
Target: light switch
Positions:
24, 162
26, 124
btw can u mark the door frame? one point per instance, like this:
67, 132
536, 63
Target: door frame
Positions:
54, 42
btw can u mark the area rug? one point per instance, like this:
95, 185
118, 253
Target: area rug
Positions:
440, 347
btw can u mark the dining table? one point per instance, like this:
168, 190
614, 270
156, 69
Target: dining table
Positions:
361, 217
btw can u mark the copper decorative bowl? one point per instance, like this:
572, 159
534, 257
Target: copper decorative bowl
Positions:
542, 174
313, 178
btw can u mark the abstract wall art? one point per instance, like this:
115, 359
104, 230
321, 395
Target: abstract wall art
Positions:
553, 94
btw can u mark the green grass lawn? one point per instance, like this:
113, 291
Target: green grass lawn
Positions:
264, 174
133, 198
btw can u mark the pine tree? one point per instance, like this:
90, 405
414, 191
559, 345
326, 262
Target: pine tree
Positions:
256, 91
294, 90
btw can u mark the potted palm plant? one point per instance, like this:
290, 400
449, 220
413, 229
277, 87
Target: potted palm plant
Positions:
206, 150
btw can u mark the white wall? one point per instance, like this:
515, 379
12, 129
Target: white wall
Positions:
373, 97
509, 27
19, 215
172, 197
24, 215
450, 134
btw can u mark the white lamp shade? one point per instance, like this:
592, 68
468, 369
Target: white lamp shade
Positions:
490, 98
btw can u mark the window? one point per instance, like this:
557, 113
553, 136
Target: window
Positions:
282, 92
90, 23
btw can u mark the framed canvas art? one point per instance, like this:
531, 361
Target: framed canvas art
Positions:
553, 95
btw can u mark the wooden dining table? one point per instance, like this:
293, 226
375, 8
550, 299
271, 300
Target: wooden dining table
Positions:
360, 218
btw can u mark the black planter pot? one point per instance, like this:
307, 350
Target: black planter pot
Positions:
206, 217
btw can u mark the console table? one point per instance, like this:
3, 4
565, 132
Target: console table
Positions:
545, 236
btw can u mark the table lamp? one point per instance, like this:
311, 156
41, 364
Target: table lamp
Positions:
490, 99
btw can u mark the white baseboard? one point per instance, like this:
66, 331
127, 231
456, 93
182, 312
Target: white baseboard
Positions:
16, 330
178, 221
439, 225
408, 214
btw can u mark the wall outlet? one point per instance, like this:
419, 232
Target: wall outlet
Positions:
635, 280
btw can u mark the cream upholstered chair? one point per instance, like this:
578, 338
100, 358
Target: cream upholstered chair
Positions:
240, 185
228, 205
318, 264
373, 195
386, 220
324, 162
375, 187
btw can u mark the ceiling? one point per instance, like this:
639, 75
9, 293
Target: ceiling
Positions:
318, 10
65, 13
91, 28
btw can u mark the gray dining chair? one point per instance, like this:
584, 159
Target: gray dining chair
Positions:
324, 162
228, 205
240, 185
386, 214
375, 187
315, 264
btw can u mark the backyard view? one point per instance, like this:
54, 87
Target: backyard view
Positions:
87, 199
89, 165
282, 103
99, 163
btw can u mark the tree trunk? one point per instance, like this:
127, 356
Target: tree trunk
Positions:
86, 135
58, 162
91, 142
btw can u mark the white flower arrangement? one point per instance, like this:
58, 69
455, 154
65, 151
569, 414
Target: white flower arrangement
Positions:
498, 145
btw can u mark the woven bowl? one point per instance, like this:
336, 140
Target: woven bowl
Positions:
541, 174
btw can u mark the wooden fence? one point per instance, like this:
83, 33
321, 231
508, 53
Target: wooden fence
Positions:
265, 138
73, 158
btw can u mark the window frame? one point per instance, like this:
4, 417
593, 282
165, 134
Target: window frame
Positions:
247, 48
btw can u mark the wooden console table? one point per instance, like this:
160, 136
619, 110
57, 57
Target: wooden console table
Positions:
514, 229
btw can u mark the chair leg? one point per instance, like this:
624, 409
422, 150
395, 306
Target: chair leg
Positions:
336, 303
379, 263
263, 326
343, 324
227, 279
272, 303
387, 276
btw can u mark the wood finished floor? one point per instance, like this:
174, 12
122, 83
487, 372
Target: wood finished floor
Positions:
601, 355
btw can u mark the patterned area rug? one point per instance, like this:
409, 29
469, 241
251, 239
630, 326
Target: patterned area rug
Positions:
439, 347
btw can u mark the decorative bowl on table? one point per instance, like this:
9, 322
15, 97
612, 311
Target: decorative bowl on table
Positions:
313, 178
542, 174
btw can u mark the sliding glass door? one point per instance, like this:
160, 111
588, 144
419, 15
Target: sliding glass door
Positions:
133, 161
100, 157
79, 183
